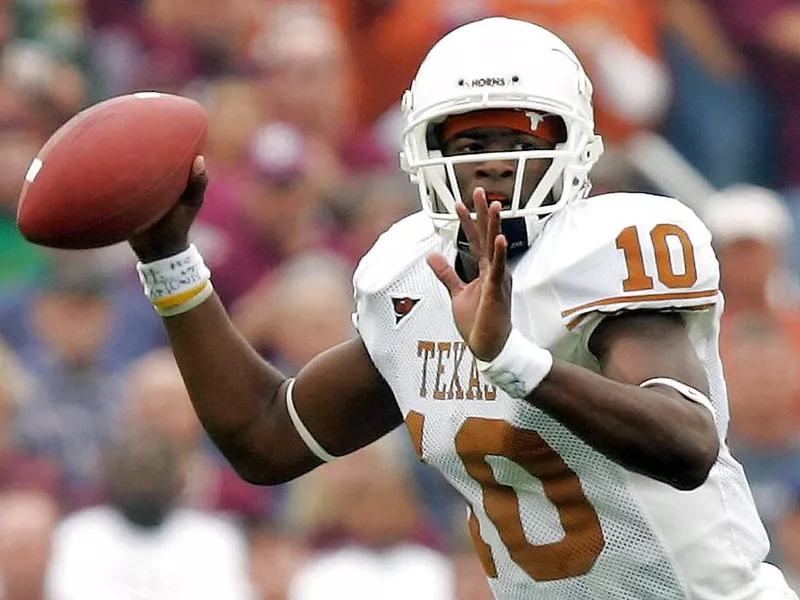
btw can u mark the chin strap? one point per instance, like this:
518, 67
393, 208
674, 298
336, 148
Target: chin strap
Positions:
516, 231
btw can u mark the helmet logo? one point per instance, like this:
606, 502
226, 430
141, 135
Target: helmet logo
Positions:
483, 82
535, 119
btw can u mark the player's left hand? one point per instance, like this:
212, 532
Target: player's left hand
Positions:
482, 307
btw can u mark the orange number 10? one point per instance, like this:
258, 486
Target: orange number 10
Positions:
577, 551
638, 280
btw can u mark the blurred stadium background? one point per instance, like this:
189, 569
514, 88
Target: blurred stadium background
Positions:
695, 98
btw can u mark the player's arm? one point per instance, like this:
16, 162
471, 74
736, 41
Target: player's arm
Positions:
656, 430
340, 399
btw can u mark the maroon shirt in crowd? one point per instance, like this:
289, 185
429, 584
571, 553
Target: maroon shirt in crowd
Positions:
745, 22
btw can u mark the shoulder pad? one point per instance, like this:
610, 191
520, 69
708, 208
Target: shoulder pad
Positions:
628, 251
402, 245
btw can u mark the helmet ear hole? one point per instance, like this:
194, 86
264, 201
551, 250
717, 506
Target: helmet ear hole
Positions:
561, 129
433, 136
593, 151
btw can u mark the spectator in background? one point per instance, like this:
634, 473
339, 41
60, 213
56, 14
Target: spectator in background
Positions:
767, 32
18, 469
276, 556
56, 26
156, 397
284, 320
52, 88
212, 31
67, 329
116, 32
302, 59
21, 263
760, 343
720, 113
28, 519
752, 232
391, 37
277, 214
368, 205
67, 416
71, 276
234, 114
142, 543
617, 41
164, 44
366, 506
763, 388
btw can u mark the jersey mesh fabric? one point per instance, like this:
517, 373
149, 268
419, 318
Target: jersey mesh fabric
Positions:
750, 542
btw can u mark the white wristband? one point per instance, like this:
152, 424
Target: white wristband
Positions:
177, 283
519, 368
196, 299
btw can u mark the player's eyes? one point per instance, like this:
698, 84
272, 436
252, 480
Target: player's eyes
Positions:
470, 148
473, 147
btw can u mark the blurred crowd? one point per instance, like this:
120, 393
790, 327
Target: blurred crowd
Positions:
109, 487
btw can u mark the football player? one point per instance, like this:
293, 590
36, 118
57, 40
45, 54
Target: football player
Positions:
554, 355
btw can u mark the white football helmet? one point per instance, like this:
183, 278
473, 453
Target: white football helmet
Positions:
500, 63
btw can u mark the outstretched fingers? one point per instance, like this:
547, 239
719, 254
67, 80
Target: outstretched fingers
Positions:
482, 231
500, 253
492, 228
481, 208
471, 230
445, 273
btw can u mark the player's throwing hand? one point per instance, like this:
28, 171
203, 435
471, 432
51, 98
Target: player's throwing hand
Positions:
482, 307
170, 234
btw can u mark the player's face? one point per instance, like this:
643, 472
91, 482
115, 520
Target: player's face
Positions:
496, 176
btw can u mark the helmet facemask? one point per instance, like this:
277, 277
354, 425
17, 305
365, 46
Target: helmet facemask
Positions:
566, 177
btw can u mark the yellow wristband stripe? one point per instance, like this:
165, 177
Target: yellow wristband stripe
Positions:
178, 299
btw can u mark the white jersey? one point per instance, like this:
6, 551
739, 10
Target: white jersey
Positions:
551, 517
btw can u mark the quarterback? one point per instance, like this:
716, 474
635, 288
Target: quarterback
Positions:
553, 354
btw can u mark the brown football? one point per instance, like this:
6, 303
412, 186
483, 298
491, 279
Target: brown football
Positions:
111, 170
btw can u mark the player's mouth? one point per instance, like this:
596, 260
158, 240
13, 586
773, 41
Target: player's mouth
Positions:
503, 199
